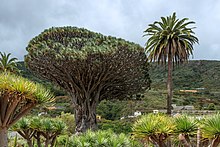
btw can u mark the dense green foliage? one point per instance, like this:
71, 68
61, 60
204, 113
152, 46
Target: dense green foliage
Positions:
201, 76
191, 75
111, 110
24, 72
117, 126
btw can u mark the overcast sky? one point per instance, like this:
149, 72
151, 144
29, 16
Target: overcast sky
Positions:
21, 20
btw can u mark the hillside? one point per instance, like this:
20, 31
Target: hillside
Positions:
202, 76
195, 83
195, 74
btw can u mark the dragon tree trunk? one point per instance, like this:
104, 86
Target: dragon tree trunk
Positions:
3, 137
85, 113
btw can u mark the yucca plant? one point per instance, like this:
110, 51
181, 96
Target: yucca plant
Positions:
153, 128
210, 128
185, 126
17, 97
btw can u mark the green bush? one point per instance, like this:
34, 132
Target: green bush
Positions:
69, 120
117, 126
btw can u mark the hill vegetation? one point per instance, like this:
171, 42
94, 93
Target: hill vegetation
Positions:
192, 75
201, 77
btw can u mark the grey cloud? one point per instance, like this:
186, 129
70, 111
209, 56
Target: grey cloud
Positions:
22, 20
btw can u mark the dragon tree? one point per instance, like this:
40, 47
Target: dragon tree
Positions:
17, 97
89, 66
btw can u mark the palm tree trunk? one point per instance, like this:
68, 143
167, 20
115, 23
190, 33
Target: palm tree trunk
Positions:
3, 137
169, 85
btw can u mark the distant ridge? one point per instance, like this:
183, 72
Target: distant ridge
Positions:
191, 75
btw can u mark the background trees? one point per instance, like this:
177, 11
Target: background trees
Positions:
89, 66
171, 40
17, 97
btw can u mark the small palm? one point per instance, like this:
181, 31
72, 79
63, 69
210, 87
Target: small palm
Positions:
7, 63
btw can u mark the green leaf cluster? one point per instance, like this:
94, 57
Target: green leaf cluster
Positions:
17, 85
74, 43
170, 37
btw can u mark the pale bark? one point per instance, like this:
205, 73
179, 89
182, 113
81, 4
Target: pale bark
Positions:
199, 136
215, 142
184, 141
3, 137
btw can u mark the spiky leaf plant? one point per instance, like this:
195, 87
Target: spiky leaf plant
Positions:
17, 97
155, 128
210, 128
185, 126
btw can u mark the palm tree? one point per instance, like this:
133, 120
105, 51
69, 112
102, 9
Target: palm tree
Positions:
7, 63
17, 97
171, 40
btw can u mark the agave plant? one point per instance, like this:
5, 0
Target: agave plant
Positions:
185, 127
154, 128
17, 97
210, 128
